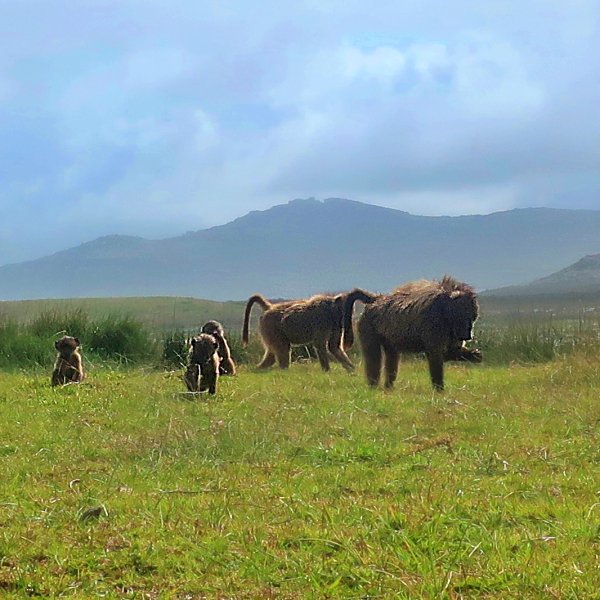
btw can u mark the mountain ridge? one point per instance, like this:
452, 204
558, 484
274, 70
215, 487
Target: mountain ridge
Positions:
306, 245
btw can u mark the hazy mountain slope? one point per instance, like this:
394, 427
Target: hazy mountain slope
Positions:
582, 277
307, 246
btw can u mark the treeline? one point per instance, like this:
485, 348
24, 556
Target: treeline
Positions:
124, 340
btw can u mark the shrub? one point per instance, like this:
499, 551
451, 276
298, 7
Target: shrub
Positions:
175, 348
121, 338
53, 323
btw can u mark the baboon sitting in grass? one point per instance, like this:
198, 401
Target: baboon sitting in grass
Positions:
202, 372
68, 367
317, 320
226, 364
435, 317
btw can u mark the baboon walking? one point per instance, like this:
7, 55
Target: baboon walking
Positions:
435, 317
203, 365
68, 367
226, 364
317, 320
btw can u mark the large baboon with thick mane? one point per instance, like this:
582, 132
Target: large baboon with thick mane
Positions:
317, 320
226, 364
435, 317
203, 364
68, 367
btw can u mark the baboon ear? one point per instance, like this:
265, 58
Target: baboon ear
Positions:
77, 341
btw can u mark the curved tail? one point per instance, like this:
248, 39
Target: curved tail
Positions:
355, 295
264, 304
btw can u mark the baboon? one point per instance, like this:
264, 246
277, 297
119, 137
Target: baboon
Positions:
203, 365
460, 353
68, 367
317, 320
226, 365
435, 317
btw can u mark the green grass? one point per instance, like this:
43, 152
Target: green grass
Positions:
302, 484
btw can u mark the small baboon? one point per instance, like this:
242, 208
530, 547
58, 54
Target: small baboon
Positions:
460, 353
214, 328
68, 367
203, 366
317, 320
435, 317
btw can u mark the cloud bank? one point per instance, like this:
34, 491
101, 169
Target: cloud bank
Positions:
153, 118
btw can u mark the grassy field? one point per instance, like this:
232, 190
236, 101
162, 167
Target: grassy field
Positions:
302, 484
172, 312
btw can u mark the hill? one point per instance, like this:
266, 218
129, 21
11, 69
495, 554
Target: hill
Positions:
306, 246
581, 279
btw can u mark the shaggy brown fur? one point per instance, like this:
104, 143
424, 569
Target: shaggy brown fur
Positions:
68, 367
203, 369
317, 320
226, 365
434, 317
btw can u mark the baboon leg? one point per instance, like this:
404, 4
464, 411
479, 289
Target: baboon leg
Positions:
56, 377
392, 357
284, 356
191, 378
267, 361
212, 384
436, 369
335, 351
372, 357
342, 357
321, 348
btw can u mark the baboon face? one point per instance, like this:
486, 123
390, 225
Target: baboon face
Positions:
67, 344
203, 348
462, 311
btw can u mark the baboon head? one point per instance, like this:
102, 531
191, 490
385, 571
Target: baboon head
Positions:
203, 348
213, 327
66, 345
461, 310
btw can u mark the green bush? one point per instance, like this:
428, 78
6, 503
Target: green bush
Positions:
121, 338
22, 348
53, 323
175, 348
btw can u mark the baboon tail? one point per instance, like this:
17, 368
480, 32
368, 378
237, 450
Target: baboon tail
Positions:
355, 295
264, 304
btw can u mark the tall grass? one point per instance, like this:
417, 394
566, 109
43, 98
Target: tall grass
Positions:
125, 340
112, 338
536, 341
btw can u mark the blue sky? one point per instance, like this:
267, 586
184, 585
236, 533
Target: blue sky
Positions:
153, 118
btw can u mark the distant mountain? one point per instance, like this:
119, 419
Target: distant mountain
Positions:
582, 277
306, 246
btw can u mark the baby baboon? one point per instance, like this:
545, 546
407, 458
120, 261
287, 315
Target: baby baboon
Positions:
214, 328
203, 369
317, 320
435, 317
459, 352
68, 367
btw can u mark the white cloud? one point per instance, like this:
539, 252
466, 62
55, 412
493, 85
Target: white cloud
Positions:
183, 114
